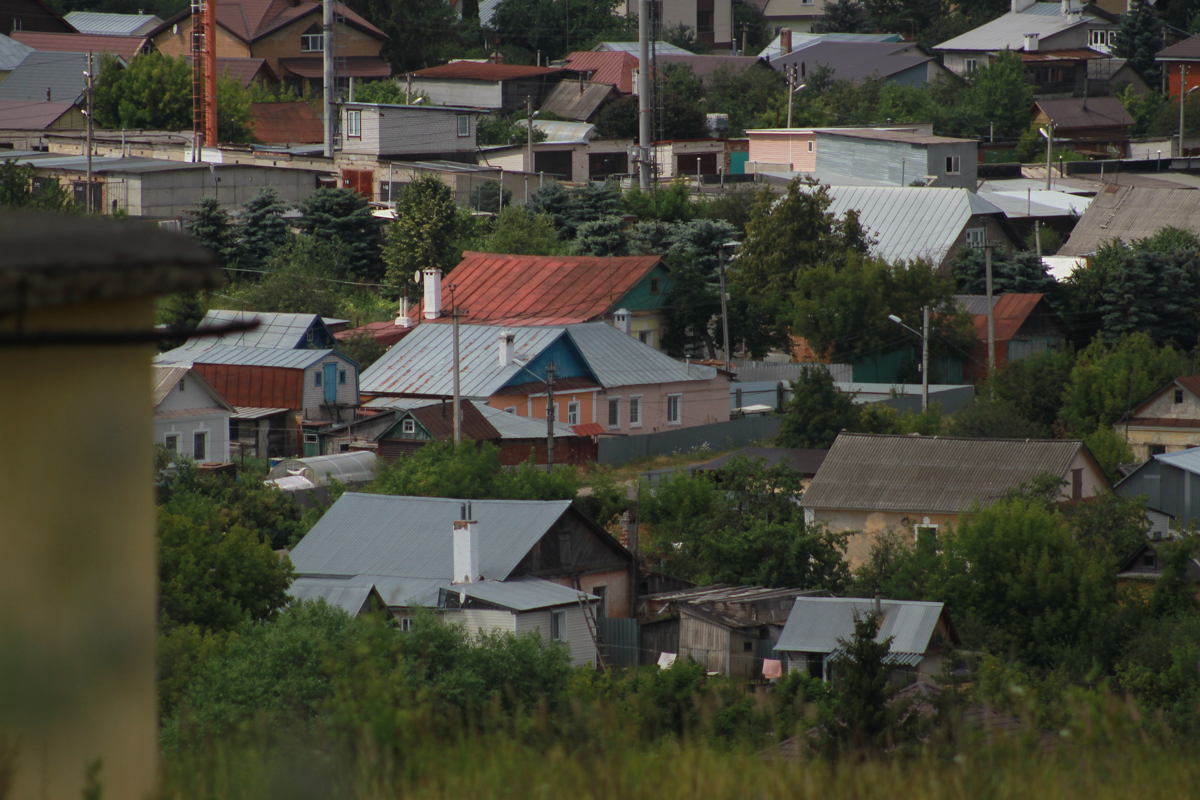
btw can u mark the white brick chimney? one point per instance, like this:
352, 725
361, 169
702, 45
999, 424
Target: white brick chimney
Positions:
505, 347
466, 549
1031, 42
432, 278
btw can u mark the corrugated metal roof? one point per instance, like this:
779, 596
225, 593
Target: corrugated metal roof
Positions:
1068, 113
569, 132
251, 412
614, 67
356, 466
803, 40
97, 22
661, 48
12, 52
1008, 31
1036, 204
617, 359
867, 472
1129, 213
816, 624
126, 47
856, 61
274, 330
248, 356
348, 595
891, 135
1009, 312
411, 537
911, 222
525, 593
511, 426
59, 73
164, 378
484, 71
542, 290
1184, 459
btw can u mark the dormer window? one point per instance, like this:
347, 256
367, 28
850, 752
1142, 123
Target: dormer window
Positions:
312, 40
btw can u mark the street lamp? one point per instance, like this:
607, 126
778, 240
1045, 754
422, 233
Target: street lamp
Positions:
724, 248
924, 352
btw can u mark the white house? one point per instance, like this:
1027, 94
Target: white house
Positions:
190, 418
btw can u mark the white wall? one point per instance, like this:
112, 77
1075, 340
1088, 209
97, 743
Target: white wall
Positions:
215, 425
478, 620
579, 638
474, 94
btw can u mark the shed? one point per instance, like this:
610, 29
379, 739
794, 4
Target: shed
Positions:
1170, 482
1092, 124
1022, 325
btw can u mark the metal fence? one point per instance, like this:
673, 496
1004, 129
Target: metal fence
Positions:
617, 450
621, 639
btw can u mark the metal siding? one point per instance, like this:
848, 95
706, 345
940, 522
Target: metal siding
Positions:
479, 620
398, 130
535, 621
621, 640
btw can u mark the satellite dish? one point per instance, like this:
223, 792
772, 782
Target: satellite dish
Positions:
417, 276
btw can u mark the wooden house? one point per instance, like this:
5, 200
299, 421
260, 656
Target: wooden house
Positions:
1093, 125
1022, 325
1145, 566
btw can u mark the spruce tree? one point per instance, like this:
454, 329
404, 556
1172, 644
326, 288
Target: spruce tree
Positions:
212, 227
1139, 38
263, 230
1156, 293
344, 216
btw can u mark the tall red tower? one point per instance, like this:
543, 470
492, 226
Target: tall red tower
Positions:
204, 72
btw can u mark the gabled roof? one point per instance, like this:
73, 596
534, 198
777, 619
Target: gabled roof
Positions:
1125, 569
525, 593
349, 595
166, 376
802, 40
577, 100
1129, 213
60, 74
911, 222
286, 123
12, 53
870, 472
1078, 112
485, 71
234, 355
613, 67
245, 71
856, 61
543, 290
411, 537
438, 420
275, 330
1187, 50
124, 46
104, 24
1009, 312
816, 624
22, 115
513, 426
1008, 31
250, 20
1190, 383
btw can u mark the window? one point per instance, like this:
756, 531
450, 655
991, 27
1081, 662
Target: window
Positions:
406, 623
654, 287
614, 412
635, 412
976, 237
354, 123
1178, 396
673, 409
970, 65
510, 410
308, 337
342, 377
310, 438
810, 147
17, 24
601, 593
704, 20
464, 125
1103, 38
1158, 449
646, 338
924, 528
573, 413
1148, 560
558, 626
953, 166
199, 440
173, 445
312, 40
564, 549
1077, 484
408, 426
183, 386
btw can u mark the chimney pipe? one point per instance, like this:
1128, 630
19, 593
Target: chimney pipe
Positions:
404, 320
879, 603
1031, 42
623, 321
506, 348
466, 549
785, 41
432, 278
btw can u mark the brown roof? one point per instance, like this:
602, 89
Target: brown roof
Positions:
438, 419
352, 66
485, 71
287, 123
1078, 112
250, 20
23, 115
704, 66
1187, 50
1132, 212
1060, 55
543, 290
1163, 422
124, 46
244, 70
614, 67
579, 100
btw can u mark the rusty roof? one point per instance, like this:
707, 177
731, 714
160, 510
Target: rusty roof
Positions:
543, 290
485, 71
286, 123
1009, 312
438, 419
124, 46
612, 67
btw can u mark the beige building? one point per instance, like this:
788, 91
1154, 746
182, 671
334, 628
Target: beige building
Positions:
1165, 422
871, 483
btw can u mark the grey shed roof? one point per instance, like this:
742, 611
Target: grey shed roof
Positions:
1008, 31
12, 53
59, 73
816, 624
525, 593
349, 595
112, 24
411, 537
247, 356
911, 222
869, 472
511, 426
274, 330
1132, 212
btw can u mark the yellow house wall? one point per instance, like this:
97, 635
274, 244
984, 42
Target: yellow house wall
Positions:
176, 44
654, 322
1174, 439
78, 575
285, 43
866, 526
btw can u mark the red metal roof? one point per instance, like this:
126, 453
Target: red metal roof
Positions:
260, 387
386, 333
588, 429
543, 290
485, 71
124, 46
615, 67
286, 123
1008, 315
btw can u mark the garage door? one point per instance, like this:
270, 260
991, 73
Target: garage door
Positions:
556, 163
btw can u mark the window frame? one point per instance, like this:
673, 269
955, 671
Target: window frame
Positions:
954, 165
614, 405
971, 234
635, 411
353, 123
318, 378
406, 624
655, 286
646, 337
172, 442
970, 65
926, 526
201, 438
573, 409
464, 126
810, 145
1178, 396
408, 425
308, 39
558, 626
675, 403
183, 384
341, 377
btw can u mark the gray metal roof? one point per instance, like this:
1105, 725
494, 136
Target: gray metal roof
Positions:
1184, 459
803, 40
1132, 212
976, 303
525, 593
59, 73
511, 426
404, 592
816, 624
112, 24
1008, 31
1036, 204
868, 472
661, 48
274, 330
911, 222
248, 356
618, 359
856, 61
356, 466
411, 537
348, 595
12, 53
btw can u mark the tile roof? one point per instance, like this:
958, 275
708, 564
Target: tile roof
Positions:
411, 537
1186, 50
543, 290
246, 356
816, 624
60, 75
856, 61
275, 330
1008, 31
96, 22
484, 71
1092, 112
868, 472
911, 222
12, 52
124, 46
1009, 312
611, 67
353, 66
25, 115
287, 123
1129, 213
245, 71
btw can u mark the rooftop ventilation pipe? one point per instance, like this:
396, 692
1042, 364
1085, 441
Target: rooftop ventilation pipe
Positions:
506, 347
432, 278
466, 547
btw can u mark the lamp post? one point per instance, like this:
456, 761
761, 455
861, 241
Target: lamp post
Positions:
727, 246
924, 352
1048, 132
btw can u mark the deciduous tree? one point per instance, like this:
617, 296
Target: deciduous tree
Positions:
817, 412
425, 232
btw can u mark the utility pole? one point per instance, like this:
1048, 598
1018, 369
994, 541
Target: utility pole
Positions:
90, 108
330, 80
1037, 237
925, 358
991, 317
643, 88
528, 135
1049, 150
724, 312
791, 90
1182, 97
455, 314
550, 417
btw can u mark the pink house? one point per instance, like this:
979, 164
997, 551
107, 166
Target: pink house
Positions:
782, 150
